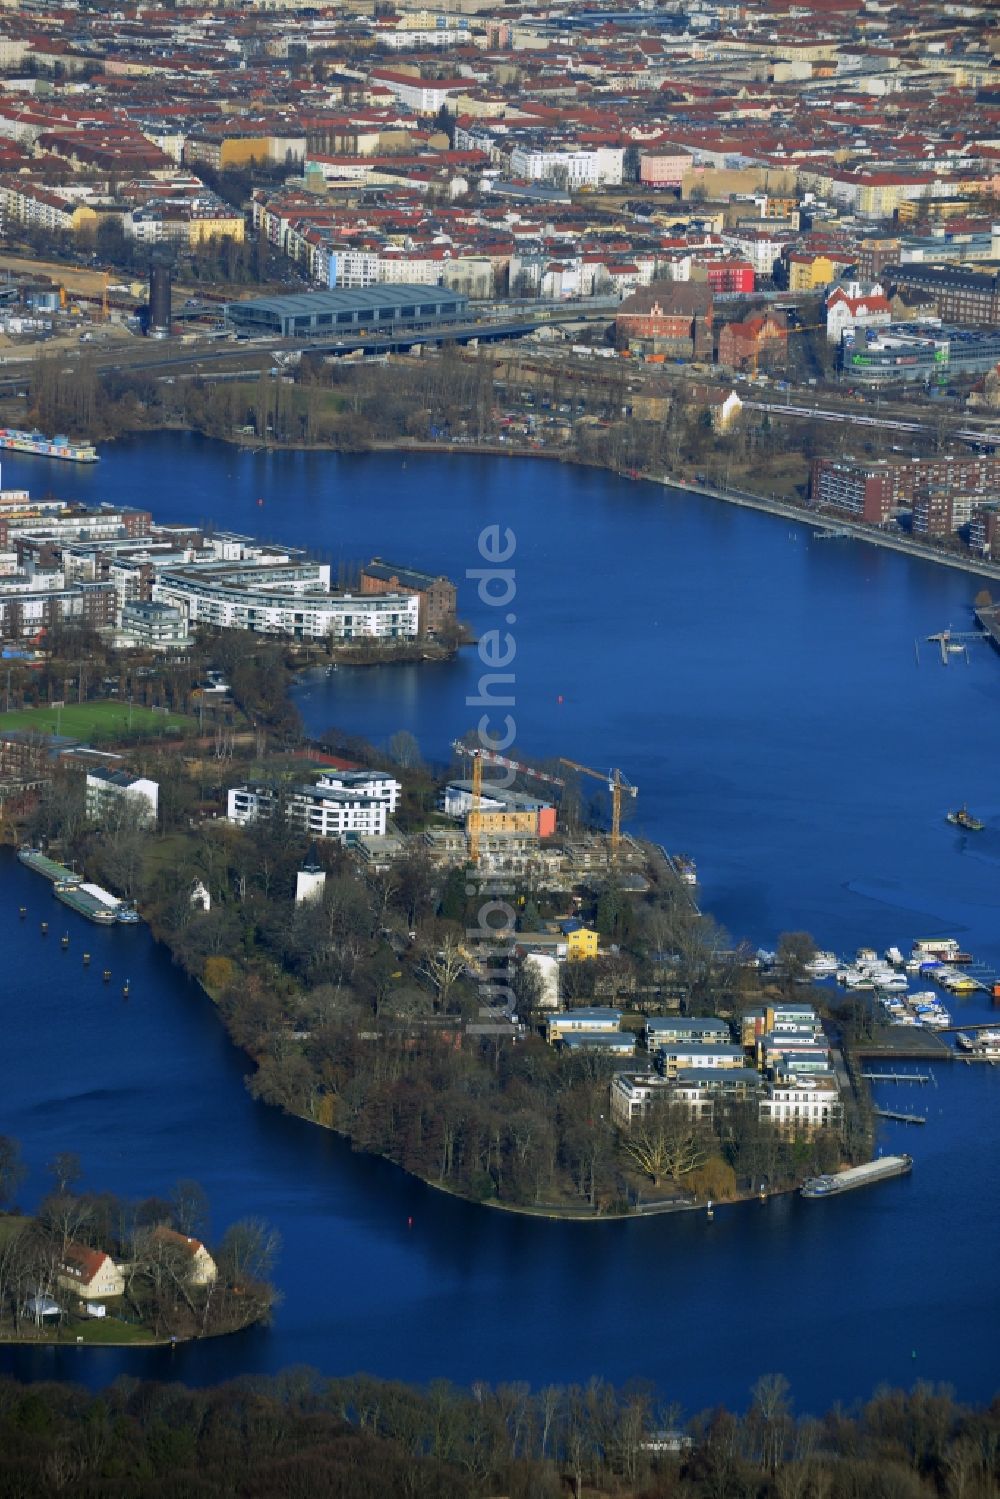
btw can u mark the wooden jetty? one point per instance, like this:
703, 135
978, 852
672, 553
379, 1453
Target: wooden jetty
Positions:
898, 1077
900, 1118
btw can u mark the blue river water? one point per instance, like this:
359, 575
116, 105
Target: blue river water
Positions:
762, 689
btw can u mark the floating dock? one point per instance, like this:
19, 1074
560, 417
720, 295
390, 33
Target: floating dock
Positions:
59, 874
897, 1077
47, 447
857, 1176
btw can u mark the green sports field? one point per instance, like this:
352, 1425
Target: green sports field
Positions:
97, 722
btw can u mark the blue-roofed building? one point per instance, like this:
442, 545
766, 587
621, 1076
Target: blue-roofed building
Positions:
621, 1043
701, 1030
374, 309
595, 1019
676, 1055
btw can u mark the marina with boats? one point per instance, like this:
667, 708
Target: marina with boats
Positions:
936, 960
914, 1019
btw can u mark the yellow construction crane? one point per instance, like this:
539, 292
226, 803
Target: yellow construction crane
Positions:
474, 821
617, 785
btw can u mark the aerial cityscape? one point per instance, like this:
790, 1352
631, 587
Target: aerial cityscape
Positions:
499, 838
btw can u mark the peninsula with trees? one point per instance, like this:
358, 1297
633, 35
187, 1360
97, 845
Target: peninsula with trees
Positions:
643, 1063
89, 1267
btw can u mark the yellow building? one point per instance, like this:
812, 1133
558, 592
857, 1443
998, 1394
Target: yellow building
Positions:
222, 225
807, 272
581, 944
508, 822
240, 150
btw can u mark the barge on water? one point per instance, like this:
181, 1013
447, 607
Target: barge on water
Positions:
90, 901
47, 447
857, 1176
42, 864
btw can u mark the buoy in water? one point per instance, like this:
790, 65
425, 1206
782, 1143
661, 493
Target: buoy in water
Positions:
23, 912
559, 698
409, 1222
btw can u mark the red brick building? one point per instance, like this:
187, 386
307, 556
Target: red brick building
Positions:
436, 595
872, 492
670, 317
762, 340
984, 532
943, 493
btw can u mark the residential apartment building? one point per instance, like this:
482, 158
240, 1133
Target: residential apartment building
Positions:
572, 167
27, 613
959, 293
594, 1020
701, 1030
947, 491
673, 1056
799, 1102
113, 794
633, 1095
325, 810
289, 600
154, 627
873, 492
701, 1088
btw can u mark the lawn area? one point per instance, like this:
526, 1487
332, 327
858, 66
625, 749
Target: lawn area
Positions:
107, 1330
97, 722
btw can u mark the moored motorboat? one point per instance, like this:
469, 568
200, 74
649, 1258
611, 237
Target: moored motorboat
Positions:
963, 818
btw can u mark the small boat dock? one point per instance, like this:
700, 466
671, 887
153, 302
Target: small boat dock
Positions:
900, 1118
897, 1077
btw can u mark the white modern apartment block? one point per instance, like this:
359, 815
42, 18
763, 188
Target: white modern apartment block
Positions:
803, 1102
344, 806
374, 783
600, 166
633, 1095
109, 793
286, 599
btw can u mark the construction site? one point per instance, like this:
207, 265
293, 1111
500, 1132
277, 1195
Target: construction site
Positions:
535, 837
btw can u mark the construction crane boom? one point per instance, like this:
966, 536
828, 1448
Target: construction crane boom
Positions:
616, 784
478, 755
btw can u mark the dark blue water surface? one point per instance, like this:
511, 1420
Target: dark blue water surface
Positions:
761, 689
